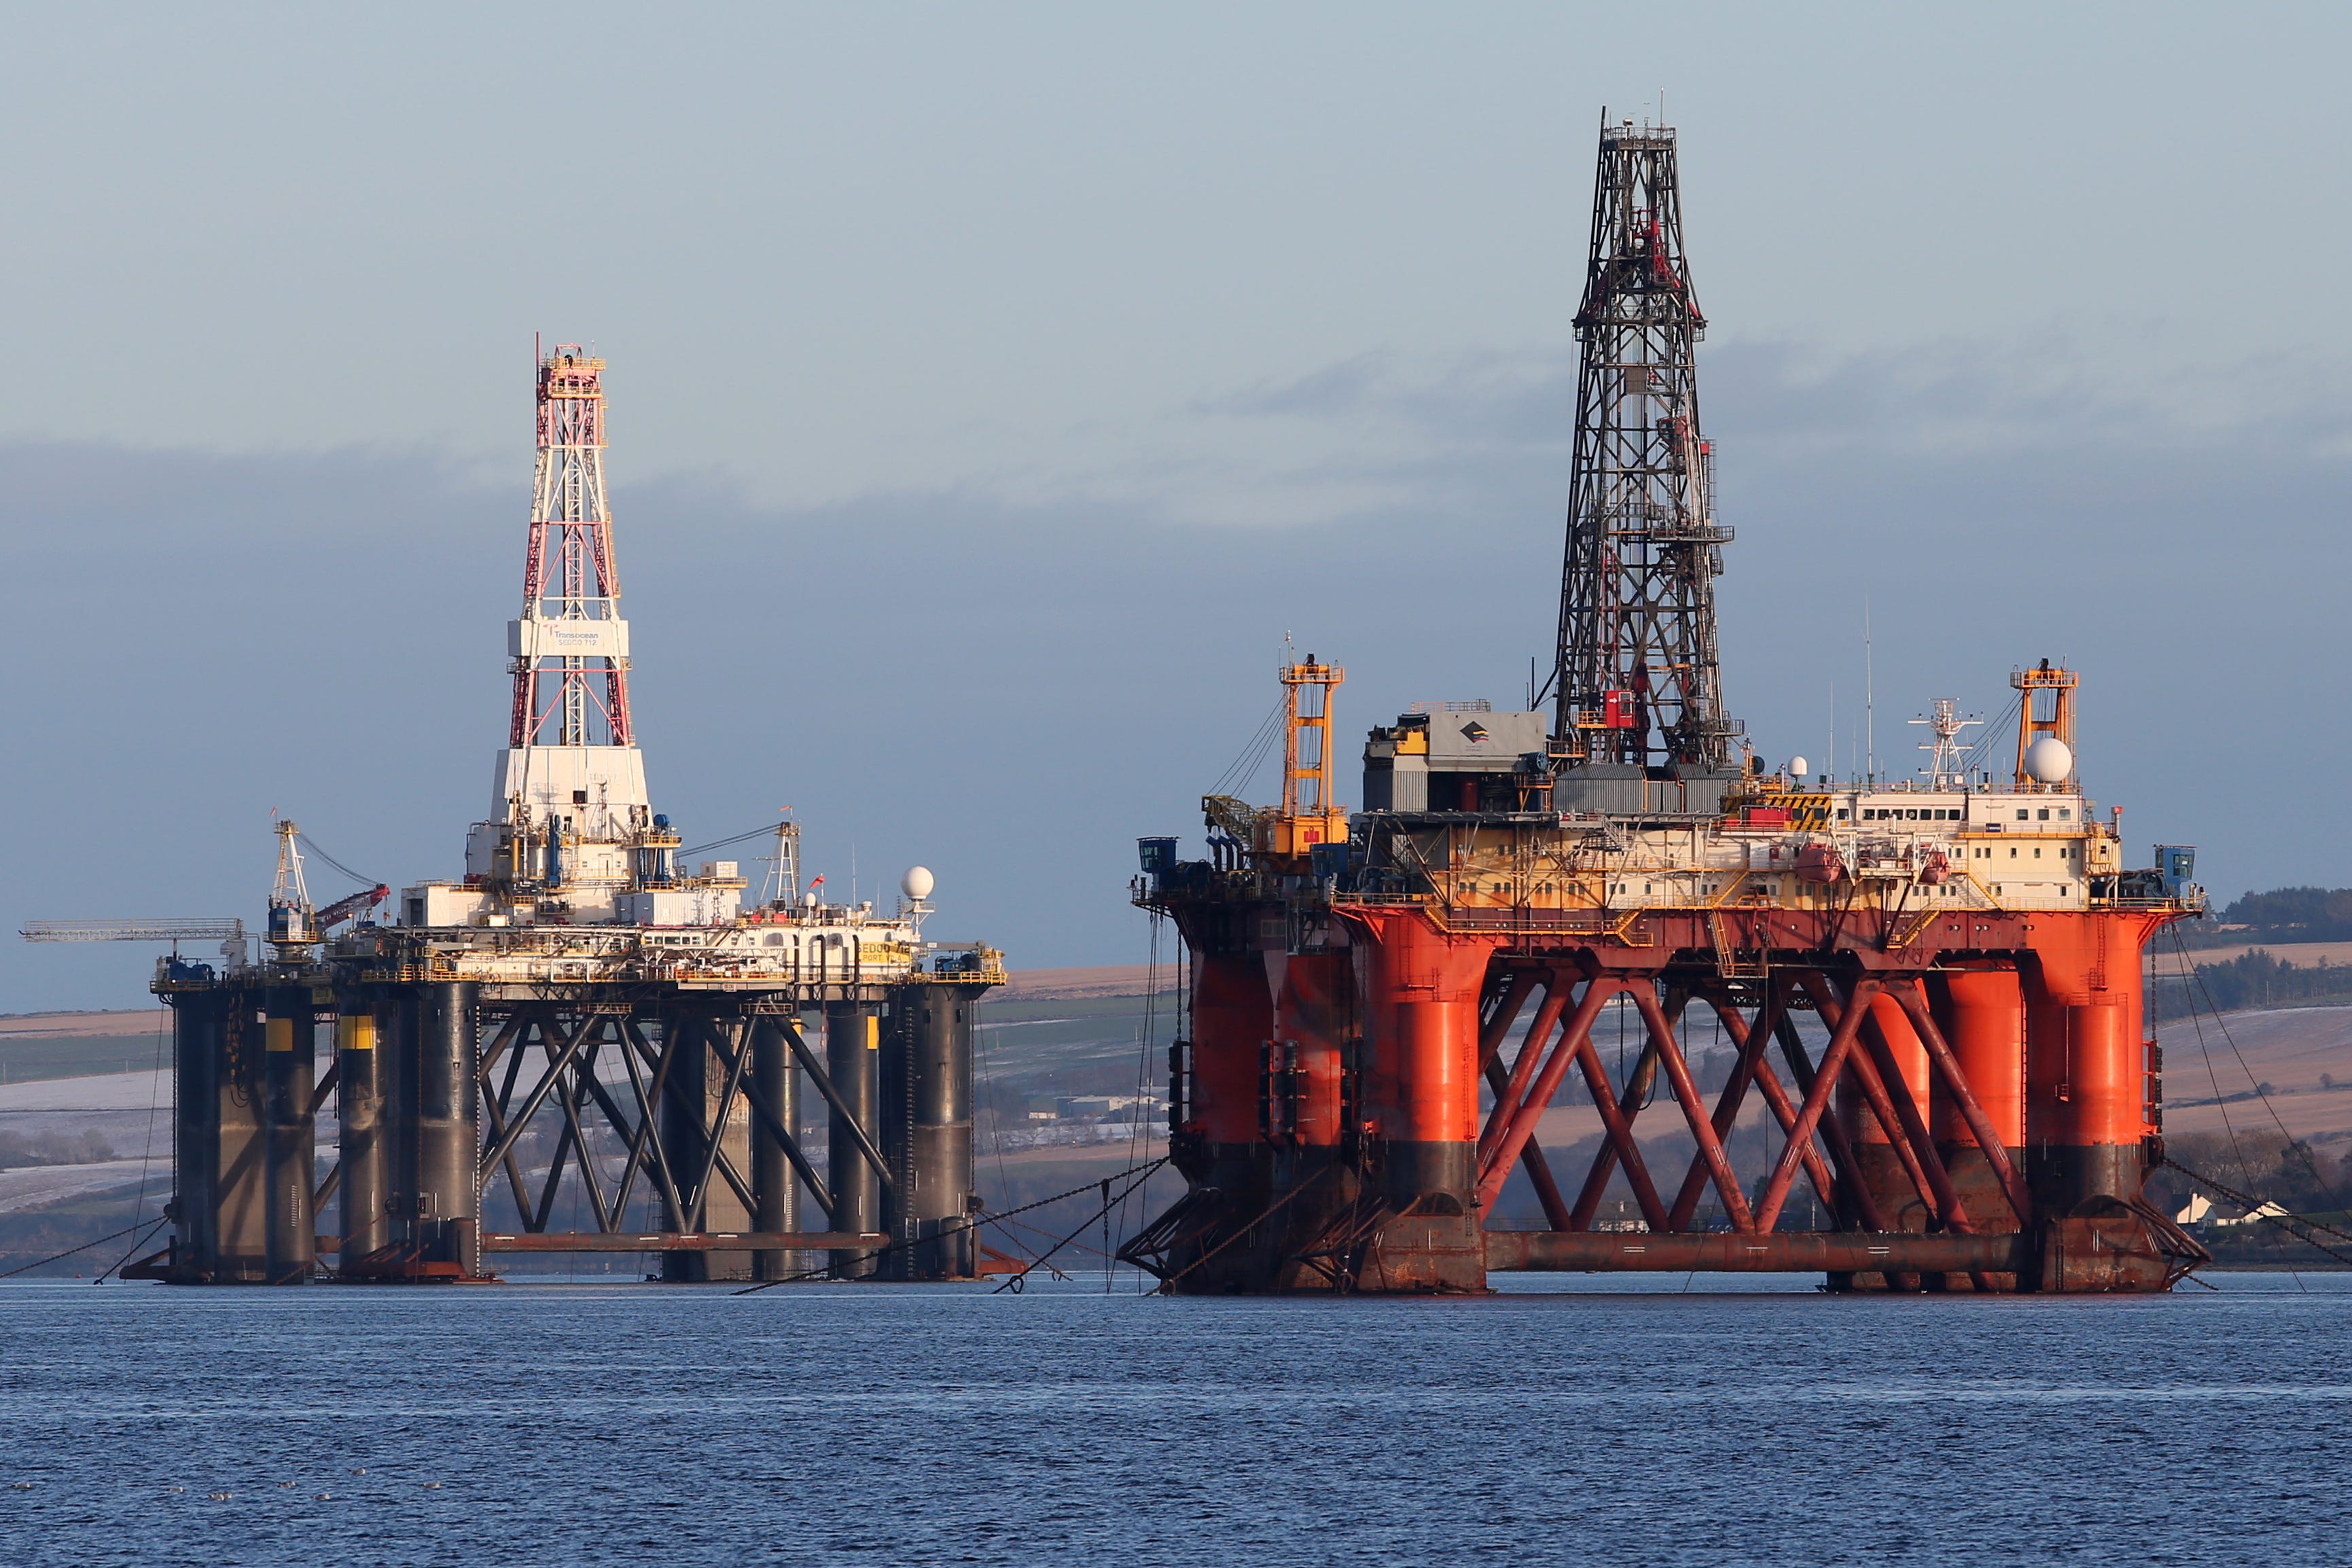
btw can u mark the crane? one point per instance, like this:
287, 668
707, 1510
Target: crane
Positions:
343, 909
200, 929
229, 930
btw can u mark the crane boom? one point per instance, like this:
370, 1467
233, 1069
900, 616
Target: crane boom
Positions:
199, 929
344, 909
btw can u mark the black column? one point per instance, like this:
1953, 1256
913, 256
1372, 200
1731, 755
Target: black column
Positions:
926, 1132
448, 1125
290, 1158
775, 1083
198, 1021
852, 1062
361, 1047
685, 1130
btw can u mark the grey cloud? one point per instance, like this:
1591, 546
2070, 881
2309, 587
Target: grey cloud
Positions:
1013, 693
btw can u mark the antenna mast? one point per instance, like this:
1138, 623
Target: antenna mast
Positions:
1637, 679
1944, 770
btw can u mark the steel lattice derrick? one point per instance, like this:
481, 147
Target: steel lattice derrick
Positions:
569, 572
1636, 678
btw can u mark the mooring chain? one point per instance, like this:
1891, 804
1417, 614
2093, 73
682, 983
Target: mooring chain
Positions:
1141, 1174
983, 1218
2294, 1225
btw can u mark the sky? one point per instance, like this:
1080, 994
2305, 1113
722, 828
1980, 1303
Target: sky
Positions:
995, 388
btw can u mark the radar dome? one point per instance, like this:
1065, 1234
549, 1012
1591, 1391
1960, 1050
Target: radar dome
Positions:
917, 883
2049, 759
1798, 767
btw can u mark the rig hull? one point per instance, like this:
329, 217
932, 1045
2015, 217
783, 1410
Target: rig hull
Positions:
1351, 1099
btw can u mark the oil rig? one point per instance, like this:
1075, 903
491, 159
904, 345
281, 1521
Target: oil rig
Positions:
578, 978
1383, 1003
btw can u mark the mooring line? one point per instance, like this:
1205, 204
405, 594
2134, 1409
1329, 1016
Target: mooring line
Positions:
983, 1218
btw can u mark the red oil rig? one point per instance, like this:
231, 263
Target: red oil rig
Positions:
1383, 1006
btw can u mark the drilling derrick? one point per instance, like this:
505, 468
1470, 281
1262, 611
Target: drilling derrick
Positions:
569, 730
1636, 682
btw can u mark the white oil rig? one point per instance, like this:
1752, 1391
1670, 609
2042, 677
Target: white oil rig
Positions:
581, 1024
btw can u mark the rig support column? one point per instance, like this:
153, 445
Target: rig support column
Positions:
209, 1137
2089, 1128
1217, 1146
1305, 1096
776, 1084
1421, 1090
239, 1217
291, 1159
685, 1130
700, 1129
852, 1063
926, 1116
2085, 1071
362, 1039
1880, 1150
1981, 1013
447, 1197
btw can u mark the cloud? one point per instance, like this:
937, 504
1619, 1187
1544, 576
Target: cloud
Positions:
1012, 684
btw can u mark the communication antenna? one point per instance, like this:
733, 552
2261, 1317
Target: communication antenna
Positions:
1869, 702
1947, 768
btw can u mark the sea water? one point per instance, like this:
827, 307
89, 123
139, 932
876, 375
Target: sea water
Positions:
1565, 1419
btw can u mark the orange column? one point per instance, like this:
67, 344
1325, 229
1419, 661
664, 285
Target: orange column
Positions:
1903, 1043
1233, 1018
2105, 1079
1881, 1170
1313, 1012
1982, 1013
2086, 1077
1421, 993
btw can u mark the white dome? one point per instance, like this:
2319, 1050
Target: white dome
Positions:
916, 884
2049, 759
1798, 767
808, 900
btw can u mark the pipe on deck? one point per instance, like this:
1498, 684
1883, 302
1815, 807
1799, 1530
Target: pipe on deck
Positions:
786, 1243
1782, 1252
